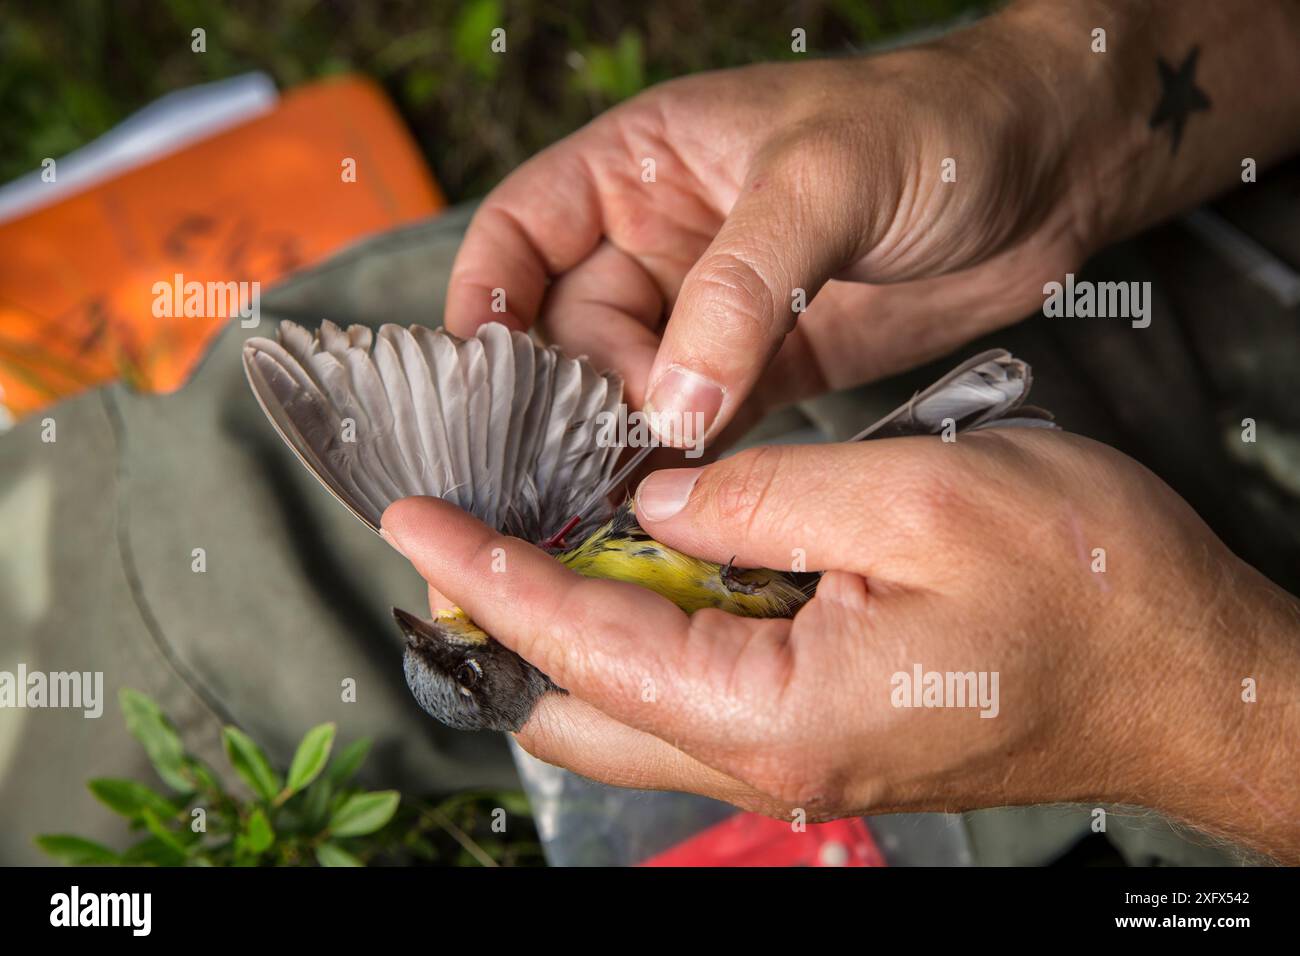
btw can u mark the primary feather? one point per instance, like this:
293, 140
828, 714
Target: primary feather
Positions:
502, 427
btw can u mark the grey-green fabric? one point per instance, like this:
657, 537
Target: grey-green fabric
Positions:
96, 574
100, 528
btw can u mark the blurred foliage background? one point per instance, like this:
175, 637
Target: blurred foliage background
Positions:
70, 70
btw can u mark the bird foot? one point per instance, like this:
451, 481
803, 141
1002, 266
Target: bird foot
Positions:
732, 582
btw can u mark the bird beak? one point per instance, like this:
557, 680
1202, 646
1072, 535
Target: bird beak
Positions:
416, 630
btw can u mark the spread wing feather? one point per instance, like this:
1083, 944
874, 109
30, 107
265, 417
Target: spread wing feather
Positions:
502, 427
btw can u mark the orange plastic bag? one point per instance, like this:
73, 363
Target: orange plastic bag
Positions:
88, 285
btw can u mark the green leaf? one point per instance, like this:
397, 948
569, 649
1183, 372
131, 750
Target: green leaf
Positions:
364, 813
630, 59
258, 835
131, 799
147, 724
349, 761
615, 72
331, 854
316, 805
152, 851
75, 850
312, 755
159, 829
200, 777
250, 763
514, 802
473, 36
420, 87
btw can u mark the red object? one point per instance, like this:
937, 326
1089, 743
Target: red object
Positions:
748, 839
557, 540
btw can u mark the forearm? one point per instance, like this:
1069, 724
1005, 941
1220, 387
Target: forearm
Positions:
1228, 754
1185, 92
1221, 727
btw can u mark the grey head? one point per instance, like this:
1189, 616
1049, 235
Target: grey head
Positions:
463, 678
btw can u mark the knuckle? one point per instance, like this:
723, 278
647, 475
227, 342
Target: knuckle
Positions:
816, 150
815, 154
736, 296
929, 496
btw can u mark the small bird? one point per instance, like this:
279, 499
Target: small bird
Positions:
511, 431
465, 679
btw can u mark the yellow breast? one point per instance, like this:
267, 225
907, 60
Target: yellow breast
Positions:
688, 582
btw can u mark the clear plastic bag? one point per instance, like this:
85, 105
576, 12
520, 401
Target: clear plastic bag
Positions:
583, 823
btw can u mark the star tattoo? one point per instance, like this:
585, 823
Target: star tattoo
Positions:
1180, 97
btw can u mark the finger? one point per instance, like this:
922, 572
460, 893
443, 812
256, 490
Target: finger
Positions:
784, 233
853, 507
607, 307
792, 375
439, 601
543, 219
570, 733
623, 648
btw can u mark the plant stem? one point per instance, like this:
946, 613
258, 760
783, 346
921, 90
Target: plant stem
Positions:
460, 836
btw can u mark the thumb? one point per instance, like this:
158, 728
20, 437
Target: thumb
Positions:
788, 232
786, 507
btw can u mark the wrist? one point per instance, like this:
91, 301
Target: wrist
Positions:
1032, 82
1166, 113
1077, 100
1215, 748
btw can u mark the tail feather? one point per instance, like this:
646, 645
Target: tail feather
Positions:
986, 391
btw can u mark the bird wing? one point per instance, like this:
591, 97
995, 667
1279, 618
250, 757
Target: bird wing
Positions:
500, 426
986, 391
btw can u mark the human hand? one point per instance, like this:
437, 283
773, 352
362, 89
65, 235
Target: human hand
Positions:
1121, 685
822, 177
828, 177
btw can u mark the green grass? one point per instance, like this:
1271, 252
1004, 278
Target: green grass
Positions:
70, 70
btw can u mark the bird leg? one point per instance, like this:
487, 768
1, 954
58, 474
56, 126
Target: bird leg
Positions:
732, 582
557, 540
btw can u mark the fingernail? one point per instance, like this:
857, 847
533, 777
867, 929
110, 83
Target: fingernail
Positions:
682, 406
664, 493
